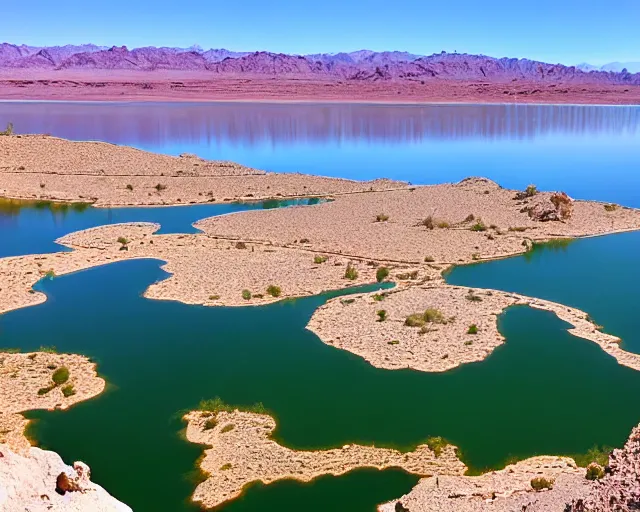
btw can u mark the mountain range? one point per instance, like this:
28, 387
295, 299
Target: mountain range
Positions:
359, 65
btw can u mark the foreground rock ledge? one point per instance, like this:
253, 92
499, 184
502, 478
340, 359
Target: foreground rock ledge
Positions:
33, 482
241, 451
510, 489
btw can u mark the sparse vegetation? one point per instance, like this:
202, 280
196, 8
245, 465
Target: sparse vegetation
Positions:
60, 376
48, 350
226, 467
475, 256
122, 240
408, 275
50, 274
473, 329
382, 315
472, 297
393, 342
597, 454
319, 259
479, 226
241, 245
443, 224
10, 350
540, 482
274, 290
44, 391
210, 424
594, 472
130, 188
381, 217
530, 191
347, 301
430, 316
436, 445
429, 259
381, 274
378, 297
216, 405
8, 130
214, 297
468, 342
611, 207
246, 294
518, 229
68, 390
227, 428
351, 272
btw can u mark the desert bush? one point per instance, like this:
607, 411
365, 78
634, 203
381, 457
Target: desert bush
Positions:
246, 294
594, 471
68, 390
274, 290
428, 222
122, 240
429, 259
8, 130
210, 424
160, 187
408, 275
226, 466
473, 329
611, 207
130, 187
214, 297
241, 245
530, 191
227, 428
319, 259
540, 482
48, 350
443, 224
381, 274
470, 218
351, 272
382, 315
381, 217
436, 445
435, 316
479, 226
393, 342
60, 376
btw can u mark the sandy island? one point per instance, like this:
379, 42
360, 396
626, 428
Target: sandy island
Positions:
377, 231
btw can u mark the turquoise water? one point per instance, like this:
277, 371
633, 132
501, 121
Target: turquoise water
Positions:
32, 227
544, 391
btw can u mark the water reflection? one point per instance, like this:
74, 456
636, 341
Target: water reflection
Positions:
255, 123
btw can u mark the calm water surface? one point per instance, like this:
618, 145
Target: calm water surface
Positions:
544, 391
590, 152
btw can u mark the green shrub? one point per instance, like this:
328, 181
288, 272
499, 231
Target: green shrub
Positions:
351, 272
44, 391
473, 329
435, 316
60, 376
378, 297
122, 240
381, 217
479, 226
226, 466
599, 455
48, 350
216, 405
443, 224
594, 472
68, 390
274, 290
436, 445
381, 274
319, 259
227, 428
50, 274
382, 315
210, 424
540, 482
531, 191
246, 294
10, 350
415, 320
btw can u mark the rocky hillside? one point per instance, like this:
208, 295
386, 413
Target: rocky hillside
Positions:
361, 65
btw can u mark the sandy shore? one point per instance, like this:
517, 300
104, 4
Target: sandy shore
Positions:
445, 343
39, 167
26, 383
123, 85
241, 451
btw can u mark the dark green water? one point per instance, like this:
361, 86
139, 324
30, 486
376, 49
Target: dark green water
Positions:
544, 391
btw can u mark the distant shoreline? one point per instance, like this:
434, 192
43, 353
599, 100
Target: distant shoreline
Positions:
189, 87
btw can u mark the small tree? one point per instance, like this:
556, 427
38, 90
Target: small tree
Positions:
381, 274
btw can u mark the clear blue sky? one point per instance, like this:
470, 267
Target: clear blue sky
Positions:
567, 31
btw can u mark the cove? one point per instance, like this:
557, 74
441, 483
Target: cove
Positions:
598, 275
542, 392
31, 227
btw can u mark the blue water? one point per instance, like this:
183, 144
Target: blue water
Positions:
30, 228
591, 152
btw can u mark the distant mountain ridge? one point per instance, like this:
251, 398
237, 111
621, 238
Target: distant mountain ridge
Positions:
616, 67
364, 65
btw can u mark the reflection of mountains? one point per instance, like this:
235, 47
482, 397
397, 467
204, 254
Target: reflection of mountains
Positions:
253, 123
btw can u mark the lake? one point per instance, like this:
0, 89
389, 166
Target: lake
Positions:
544, 391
